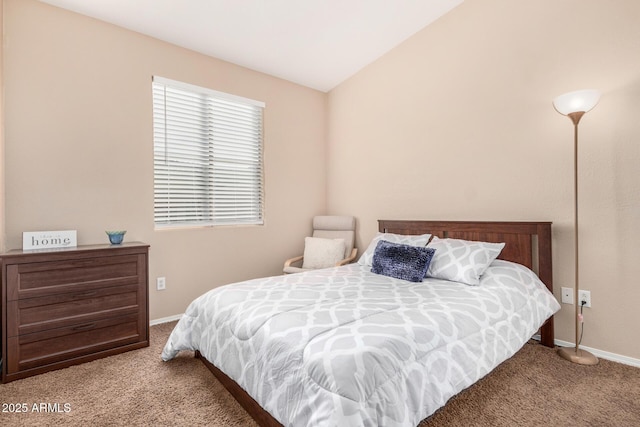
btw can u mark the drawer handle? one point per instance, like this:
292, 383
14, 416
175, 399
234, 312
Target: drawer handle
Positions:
85, 327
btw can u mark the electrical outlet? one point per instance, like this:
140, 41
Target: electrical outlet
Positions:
161, 283
567, 295
586, 297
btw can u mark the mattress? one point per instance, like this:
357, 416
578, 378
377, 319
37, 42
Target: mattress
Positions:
346, 347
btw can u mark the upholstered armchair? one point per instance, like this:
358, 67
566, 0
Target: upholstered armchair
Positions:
331, 244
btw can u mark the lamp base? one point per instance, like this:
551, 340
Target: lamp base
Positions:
577, 355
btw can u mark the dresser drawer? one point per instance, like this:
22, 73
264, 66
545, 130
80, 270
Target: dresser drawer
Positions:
55, 345
35, 279
31, 315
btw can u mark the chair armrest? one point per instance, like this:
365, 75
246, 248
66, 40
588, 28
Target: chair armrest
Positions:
290, 261
348, 260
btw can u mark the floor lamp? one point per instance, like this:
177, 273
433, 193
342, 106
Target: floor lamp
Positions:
575, 105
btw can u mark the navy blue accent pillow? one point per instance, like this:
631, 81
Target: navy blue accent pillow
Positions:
402, 261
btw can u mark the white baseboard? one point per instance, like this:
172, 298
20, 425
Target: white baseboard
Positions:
599, 353
603, 354
165, 319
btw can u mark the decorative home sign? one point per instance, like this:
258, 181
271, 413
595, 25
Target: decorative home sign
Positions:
49, 239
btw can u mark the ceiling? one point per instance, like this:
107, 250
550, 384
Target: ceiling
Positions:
315, 43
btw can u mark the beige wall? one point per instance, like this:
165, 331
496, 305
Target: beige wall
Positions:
457, 123
79, 151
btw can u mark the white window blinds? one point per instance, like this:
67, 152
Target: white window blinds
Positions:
208, 167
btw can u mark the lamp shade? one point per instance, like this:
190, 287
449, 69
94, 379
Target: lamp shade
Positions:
580, 100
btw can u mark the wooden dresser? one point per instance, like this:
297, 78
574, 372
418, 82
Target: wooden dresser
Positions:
61, 307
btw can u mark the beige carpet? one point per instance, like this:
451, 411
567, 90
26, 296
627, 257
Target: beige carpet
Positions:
534, 388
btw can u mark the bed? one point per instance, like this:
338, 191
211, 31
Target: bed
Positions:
344, 346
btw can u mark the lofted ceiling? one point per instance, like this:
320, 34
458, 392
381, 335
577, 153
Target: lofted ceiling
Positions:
315, 43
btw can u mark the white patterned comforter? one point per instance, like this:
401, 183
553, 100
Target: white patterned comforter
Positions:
346, 347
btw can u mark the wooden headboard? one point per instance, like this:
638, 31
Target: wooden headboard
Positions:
527, 243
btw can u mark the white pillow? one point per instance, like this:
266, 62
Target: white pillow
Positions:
461, 260
322, 253
413, 240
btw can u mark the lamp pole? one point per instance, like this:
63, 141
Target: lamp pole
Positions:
575, 105
575, 118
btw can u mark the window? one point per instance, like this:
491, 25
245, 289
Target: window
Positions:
207, 156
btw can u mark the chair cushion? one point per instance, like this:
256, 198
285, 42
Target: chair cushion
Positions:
322, 253
336, 227
334, 222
